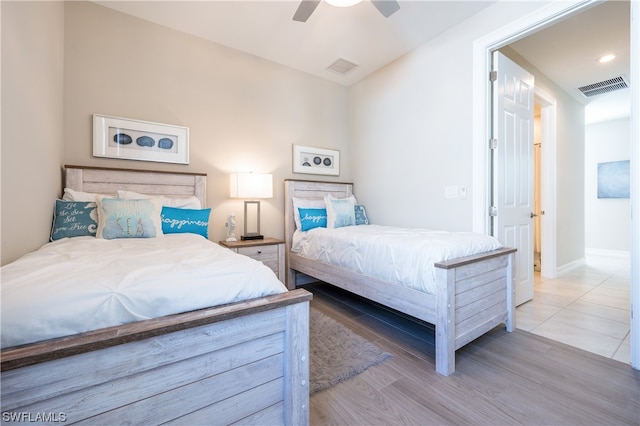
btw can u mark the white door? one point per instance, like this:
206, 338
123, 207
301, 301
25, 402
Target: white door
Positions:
512, 162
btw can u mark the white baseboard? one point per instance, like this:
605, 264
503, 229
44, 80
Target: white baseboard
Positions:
617, 254
570, 266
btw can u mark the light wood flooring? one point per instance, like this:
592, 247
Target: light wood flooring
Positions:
501, 378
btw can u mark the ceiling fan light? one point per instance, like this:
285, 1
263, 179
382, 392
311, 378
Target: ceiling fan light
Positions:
343, 3
606, 58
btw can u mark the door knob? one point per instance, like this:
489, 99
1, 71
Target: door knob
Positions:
532, 215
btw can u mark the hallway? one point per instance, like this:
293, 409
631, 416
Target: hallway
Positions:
587, 308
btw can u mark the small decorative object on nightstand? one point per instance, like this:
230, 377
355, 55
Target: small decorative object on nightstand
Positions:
231, 225
269, 251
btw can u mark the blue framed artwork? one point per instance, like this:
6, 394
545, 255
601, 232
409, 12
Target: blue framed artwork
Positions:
127, 139
613, 179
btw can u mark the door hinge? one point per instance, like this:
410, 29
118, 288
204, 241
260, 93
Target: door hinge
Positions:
493, 211
493, 143
493, 75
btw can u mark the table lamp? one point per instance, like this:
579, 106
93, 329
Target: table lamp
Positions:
251, 186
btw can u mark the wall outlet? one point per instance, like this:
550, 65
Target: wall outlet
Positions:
451, 192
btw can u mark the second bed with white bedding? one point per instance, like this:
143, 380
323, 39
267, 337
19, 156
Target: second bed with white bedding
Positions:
395, 255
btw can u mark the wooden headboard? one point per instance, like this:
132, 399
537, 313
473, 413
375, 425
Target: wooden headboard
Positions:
309, 190
108, 180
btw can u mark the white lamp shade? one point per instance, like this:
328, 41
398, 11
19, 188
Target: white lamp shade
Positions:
251, 185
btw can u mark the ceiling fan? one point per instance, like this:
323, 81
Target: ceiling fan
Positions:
306, 7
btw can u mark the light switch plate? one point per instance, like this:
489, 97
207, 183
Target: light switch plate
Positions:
462, 192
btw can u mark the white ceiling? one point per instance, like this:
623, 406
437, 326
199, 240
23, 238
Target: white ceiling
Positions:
566, 52
264, 28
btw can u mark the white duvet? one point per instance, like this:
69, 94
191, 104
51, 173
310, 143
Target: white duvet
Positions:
396, 255
79, 284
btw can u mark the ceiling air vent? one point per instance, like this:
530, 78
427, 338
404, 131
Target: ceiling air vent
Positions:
341, 66
605, 86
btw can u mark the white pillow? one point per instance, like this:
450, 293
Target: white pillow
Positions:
340, 211
305, 203
73, 195
181, 203
119, 218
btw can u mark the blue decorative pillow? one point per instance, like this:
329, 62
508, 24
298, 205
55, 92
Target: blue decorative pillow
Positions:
361, 215
175, 221
312, 218
129, 218
74, 219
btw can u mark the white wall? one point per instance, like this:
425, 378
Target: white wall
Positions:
608, 220
411, 135
32, 133
411, 128
404, 133
244, 113
61, 63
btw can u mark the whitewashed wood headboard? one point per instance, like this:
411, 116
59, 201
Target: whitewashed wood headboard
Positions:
108, 180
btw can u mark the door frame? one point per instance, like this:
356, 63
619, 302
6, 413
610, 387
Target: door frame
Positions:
548, 198
481, 129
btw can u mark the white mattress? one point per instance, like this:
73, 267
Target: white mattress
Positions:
396, 255
79, 284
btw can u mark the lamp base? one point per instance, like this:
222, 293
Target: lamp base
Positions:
252, 237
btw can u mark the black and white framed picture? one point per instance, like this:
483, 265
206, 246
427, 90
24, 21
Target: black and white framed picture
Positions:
127, 139
317, 161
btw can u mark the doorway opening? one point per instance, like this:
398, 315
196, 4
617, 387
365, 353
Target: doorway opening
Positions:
547, 182
482, 49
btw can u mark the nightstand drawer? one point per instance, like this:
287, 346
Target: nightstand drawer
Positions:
269, 251
262, 253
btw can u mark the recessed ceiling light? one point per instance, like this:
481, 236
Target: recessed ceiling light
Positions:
606, 58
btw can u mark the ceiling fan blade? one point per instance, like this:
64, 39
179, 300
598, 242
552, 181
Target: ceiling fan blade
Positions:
305, 10
386, 7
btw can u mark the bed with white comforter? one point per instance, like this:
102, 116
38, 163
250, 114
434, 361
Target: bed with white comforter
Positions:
461, 282
79, 284
392, 254
121, 321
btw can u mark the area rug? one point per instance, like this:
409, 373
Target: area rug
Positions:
337, 353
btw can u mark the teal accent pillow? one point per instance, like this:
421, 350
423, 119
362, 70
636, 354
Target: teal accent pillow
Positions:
129, 218
361, 215
312, 218
74, 219
176, 220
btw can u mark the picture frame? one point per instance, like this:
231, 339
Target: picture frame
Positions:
127, 139
316, 161
614, 179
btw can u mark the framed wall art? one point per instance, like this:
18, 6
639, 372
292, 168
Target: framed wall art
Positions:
116, 137
317, 161
614, 179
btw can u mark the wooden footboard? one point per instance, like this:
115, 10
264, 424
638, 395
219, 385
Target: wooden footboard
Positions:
474, 295
244, 362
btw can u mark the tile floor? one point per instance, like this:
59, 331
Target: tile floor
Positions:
587, 307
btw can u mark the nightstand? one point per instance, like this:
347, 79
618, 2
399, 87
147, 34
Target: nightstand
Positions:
269, 251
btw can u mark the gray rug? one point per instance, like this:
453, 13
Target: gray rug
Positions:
336, 353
